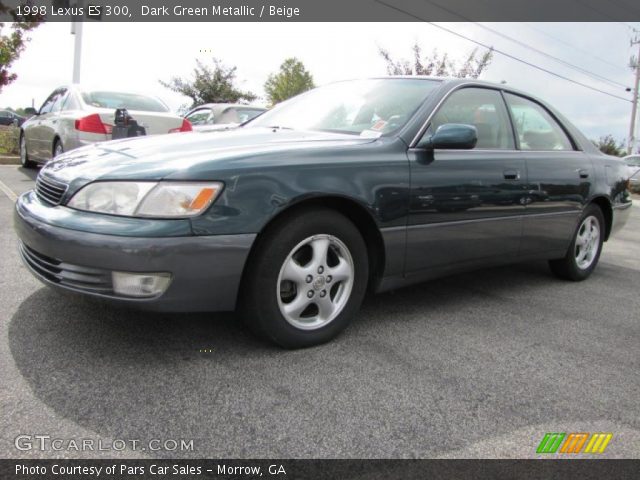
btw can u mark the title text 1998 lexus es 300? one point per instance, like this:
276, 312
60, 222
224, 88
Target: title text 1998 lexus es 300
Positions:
367, 184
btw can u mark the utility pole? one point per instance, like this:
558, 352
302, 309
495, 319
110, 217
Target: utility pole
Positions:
635, 63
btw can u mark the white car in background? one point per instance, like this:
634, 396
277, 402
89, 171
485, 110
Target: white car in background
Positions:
221, 116
73, 116
633, 168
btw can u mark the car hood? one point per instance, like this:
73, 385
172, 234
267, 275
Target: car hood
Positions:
158, 157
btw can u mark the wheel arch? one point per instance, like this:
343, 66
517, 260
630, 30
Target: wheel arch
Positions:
350, 208
607, 211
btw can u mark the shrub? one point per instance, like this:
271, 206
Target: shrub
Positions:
9, 140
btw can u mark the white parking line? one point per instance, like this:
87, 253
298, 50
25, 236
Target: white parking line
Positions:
8, 192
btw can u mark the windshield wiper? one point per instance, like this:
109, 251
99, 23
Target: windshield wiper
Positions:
279, 127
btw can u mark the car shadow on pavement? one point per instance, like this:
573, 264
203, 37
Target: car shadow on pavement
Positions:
29, 173
402, 371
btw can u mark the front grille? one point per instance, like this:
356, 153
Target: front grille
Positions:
74, 276
49, 190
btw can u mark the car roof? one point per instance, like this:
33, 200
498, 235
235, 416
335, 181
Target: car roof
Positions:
452, 82
228, 105
219, 108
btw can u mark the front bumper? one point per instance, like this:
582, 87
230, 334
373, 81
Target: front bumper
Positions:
205, 270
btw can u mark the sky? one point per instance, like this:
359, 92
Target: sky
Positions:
135, 56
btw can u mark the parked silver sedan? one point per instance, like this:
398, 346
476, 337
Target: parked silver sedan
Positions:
73, 116
633, 168
221, 116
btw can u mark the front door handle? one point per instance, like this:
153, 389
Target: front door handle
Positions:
511, 175
583, 173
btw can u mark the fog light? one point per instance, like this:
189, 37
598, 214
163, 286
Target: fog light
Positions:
140, 284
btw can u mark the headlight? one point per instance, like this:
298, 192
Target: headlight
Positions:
147, 199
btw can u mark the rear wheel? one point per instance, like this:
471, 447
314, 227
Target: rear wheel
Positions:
306, 280
24, 156
584, 252
57, 148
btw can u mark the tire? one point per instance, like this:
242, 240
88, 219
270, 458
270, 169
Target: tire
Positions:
57, 148
586, 245
24, 156
306, 278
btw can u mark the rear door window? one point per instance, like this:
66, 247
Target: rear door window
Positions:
48, 103
201, 116
535, 126
61, 97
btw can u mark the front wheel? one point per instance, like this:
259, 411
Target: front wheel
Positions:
584, 252
306, 279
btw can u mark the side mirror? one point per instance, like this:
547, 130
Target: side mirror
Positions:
30, 111
452, 136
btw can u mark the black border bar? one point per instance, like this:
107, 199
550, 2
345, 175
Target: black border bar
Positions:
323, 10
584, 469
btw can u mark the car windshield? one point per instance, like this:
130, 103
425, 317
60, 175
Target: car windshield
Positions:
361, 107
130, 101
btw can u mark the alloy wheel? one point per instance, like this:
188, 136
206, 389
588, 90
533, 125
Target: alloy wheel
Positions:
315, 282
587, 242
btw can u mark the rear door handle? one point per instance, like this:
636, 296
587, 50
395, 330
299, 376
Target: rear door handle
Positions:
583, 173
511, 174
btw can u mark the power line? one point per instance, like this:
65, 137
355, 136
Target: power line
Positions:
564, 62
508, 55
574, 47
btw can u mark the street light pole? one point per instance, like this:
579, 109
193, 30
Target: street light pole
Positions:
76, 29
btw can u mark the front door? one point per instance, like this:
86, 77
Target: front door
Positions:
467, 205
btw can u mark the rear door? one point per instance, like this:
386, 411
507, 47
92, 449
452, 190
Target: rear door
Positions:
466, 205
560, 177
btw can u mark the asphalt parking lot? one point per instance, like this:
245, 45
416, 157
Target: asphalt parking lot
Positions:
478, 365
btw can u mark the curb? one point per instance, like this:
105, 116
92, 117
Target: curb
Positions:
9, 160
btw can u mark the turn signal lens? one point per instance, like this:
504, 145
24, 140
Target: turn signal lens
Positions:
203, 199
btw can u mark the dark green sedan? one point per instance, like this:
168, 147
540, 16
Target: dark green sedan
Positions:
289, 220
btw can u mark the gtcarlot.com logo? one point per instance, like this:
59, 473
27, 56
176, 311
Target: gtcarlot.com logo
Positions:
47, 443
574, 443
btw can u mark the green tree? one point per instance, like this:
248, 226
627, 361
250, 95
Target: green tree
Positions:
13, 42
436, 64
215, 84
607, 144
291, 80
